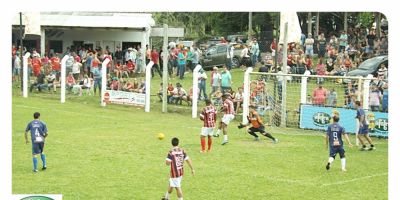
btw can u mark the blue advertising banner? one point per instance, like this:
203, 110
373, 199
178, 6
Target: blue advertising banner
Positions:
316, 117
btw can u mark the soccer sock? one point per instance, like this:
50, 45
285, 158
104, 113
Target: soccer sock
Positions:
226, 137
180, 198
343, 161
330, 160
43, 159
253, 134
203, 143
269, 136
34, 159
167, 195
209, 142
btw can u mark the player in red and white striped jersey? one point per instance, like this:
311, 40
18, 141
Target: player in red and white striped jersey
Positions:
229, 115
175, 158
209, 117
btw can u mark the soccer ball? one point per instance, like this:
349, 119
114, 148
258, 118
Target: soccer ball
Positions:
160, 136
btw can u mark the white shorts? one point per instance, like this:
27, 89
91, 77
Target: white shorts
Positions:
207, 131
227, 118
175, 182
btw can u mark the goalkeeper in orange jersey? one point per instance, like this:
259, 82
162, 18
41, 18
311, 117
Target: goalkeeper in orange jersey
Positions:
257, 125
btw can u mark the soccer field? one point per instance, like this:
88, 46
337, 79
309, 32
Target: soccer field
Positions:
113, 153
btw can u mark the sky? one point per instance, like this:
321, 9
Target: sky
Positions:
11, 9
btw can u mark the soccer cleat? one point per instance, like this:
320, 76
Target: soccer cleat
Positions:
276, 140
202, 151
256, 139
328, 166
224, 142
44, 168
215, 135
371, 148
344, 170
163, 198
35, 170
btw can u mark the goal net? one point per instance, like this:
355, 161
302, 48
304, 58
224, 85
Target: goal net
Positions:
310, 101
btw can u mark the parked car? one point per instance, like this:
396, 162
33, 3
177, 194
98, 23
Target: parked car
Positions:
216, 56
370, 66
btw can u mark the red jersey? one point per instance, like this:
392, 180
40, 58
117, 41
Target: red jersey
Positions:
228, 107
209, 115
55, 61
36, 65
154, 57
177, 156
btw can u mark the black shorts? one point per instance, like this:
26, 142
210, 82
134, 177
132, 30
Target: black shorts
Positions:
334, 150
37, 148
260, 129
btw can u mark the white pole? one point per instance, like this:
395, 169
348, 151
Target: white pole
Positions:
42, 41
143, 50
25, 72
165, 69
284, 70
246, 95
195, 90
104, 80
63, 66
148, 83
366, 92
303, 98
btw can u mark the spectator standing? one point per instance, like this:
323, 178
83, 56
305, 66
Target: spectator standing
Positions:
181, 65
332, 97
226, 80
385, 98
320, 71
215, 80
202, 84
374, 98
309, 43
319, 95
155, 58
321, 45
118, 55
255, 51
343, 41
229, 56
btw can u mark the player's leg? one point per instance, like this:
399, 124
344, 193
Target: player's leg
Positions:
266, 134
209, 142
179, 193
42, 156
360, 136
203, 139
252, 131
372, 147
332, 155
219, 129
225, 132
35, 152
168, 193
342, 159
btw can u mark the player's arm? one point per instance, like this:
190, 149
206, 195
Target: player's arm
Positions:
346, 136
168, 160
189, 162
26, 137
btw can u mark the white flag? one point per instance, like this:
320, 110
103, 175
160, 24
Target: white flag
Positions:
32, 23
294, 30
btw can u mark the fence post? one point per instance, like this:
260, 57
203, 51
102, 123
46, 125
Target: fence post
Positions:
147, 85
26, 75
62, 77
366, 92
195, 89
303, 93
246, 95
104, 80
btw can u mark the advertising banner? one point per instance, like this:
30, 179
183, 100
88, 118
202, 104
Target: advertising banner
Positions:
316, 117
122, 97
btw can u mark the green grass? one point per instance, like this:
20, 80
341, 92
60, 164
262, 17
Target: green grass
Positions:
112, 153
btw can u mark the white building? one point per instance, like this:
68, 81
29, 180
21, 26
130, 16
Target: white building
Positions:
59, 30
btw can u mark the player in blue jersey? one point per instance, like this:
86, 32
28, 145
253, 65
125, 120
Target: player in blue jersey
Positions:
38, 131
363, 129
334, 139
